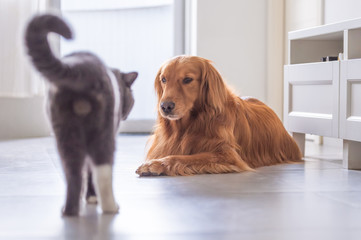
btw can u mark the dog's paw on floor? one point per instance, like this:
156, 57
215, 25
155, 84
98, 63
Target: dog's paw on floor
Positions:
152, 168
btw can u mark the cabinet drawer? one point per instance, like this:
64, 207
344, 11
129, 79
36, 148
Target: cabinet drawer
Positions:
311, 98
350, 100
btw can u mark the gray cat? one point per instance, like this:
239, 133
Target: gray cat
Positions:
86, 102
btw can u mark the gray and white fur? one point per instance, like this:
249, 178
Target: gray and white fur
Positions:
86, 102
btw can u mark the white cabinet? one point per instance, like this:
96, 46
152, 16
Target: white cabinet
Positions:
312, 98
324, 98
350, 100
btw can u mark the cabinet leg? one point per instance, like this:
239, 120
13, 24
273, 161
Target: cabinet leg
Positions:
300, 140
351, 155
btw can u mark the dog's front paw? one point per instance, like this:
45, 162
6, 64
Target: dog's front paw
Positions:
152, 168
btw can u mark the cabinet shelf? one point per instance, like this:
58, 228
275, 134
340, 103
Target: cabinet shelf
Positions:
312, 49
310, 45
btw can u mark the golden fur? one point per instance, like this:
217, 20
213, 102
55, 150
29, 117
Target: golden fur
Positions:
210, 129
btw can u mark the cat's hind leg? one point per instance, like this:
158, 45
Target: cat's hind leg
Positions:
102, 179
72, 153
73, 173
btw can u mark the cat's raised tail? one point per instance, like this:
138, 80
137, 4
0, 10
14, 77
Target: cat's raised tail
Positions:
38, 46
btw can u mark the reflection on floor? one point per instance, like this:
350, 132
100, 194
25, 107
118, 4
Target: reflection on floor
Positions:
314, 200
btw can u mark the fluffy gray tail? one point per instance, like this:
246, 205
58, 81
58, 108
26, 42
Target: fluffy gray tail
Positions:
38, 46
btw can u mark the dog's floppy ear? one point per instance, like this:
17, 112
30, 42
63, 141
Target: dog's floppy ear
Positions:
213, 89
157, 85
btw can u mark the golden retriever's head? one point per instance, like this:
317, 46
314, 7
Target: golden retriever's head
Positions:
188, 83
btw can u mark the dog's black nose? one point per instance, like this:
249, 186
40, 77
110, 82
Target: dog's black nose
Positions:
167, 107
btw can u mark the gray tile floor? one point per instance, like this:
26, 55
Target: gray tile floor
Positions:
314, 200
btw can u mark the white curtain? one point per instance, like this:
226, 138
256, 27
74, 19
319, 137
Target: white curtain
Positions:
17, 78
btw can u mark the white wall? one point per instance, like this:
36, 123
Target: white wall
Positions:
233, 35
336, 10
275, 55
245, 40
301, 14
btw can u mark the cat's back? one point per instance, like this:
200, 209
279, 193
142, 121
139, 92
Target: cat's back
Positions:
88, 69
87, 101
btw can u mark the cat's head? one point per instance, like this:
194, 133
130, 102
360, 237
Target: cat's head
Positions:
125, 81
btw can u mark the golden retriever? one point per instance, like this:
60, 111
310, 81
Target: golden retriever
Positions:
202, 127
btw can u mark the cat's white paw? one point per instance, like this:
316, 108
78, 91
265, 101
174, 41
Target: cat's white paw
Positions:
110, 209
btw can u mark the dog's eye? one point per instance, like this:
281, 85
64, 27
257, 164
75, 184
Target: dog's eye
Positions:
163, 80
187, 80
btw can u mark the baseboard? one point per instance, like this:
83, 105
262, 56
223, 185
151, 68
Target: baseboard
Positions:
23, 118
26, 118
137, 126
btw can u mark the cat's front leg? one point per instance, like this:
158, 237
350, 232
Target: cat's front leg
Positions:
90, 196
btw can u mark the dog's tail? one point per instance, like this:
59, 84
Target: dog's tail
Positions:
38, 46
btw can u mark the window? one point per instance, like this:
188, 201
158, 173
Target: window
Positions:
132, 35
